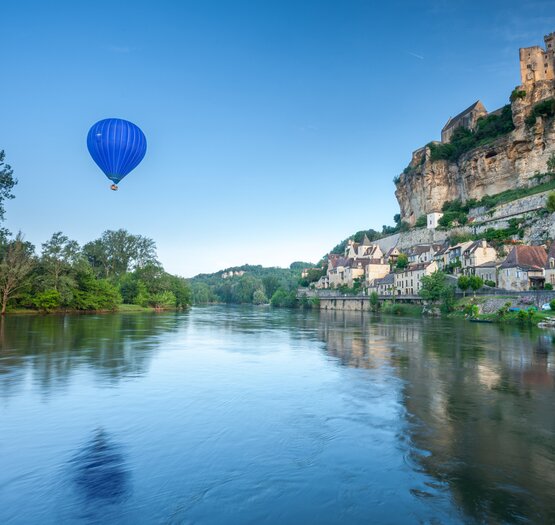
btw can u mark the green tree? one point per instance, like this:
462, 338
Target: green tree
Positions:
463, 282
433, 286
7, 183
16, 265
374, 302
271, 284
402, 261
284, 298
259, 297
117, 252
475, 283
59, 256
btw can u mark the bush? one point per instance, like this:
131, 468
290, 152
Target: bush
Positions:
48, 300
550, 202
552, 304
544, 109
162, 300
489, 283
421, 221
517, 94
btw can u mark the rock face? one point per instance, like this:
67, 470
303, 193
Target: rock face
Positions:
508, 163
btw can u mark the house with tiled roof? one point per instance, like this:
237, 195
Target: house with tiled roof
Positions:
478, 253
408, 281
384, 286
523, 269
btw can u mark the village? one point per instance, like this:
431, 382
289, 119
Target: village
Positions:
399, 273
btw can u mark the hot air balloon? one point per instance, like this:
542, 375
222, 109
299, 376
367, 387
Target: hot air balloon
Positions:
117, 146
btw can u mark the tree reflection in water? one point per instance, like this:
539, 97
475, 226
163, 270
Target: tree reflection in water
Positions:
99, 471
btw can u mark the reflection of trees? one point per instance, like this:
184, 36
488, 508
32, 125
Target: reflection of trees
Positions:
480, 400
52, 347
99, 471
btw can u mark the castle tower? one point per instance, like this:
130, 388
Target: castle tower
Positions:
538, 64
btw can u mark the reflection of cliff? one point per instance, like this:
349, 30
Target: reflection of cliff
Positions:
113, 345
479, 400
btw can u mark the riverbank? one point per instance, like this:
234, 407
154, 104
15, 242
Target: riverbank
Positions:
121, 309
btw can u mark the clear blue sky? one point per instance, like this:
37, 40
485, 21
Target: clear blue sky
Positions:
274, 127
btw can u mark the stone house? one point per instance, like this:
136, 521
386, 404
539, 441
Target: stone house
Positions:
466, 119
478, 253
422, 253
375, 269
407, 281
523, 269
392, 255
384, 286
363, 250
487, 271
453, 255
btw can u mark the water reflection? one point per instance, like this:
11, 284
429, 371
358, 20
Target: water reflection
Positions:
49, 349
99, 471
480, 402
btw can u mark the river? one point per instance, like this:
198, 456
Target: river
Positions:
258, 415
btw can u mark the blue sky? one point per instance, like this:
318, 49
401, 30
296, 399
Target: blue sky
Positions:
274, 128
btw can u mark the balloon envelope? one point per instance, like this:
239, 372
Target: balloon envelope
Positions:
117, 146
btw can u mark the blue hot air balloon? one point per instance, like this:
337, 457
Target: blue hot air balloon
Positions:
117, 146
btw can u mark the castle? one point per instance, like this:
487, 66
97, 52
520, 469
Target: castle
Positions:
510, 161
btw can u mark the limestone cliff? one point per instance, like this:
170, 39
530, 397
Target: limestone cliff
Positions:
509, 162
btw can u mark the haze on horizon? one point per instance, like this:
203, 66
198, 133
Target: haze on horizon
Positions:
274, 129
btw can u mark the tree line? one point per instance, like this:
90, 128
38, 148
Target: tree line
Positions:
118, 267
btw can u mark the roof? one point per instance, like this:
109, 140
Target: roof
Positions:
453, 121
526, 257
420, 249
365, 241
475, 245
388, 279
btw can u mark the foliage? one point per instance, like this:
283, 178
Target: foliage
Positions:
489, 283
48, 300
16, 264
488, 128
463, 282
504, 310
544, 109
314, 275
551, 163
283, 298
402, 261
475, 282
517, 94
118, 252
434, 286
259, 297
162, 300
421, 221
372, 235
213, 288
374, 302
552, 304
550, 202
7, 183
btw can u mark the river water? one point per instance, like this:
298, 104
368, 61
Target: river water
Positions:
258, 415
